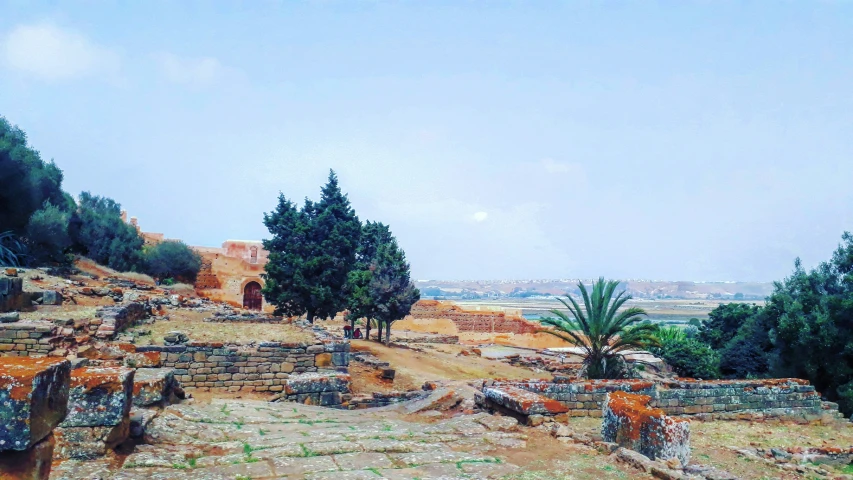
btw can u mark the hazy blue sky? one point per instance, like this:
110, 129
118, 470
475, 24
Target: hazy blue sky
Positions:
666, 140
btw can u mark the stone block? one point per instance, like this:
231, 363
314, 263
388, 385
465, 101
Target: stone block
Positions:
31, 464
34, 399
89, 442
153, 386
631, 423
317, 383
51, 297
99, 397
523, 401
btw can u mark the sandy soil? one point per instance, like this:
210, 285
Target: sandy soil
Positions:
442, 362
192, 323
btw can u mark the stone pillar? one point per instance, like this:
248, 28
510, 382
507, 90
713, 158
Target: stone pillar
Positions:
630, 422
98, 412
33, 400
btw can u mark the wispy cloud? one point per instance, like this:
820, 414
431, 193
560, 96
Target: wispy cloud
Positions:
552, 166
49, 52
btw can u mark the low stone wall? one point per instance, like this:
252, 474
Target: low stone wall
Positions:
116, 319
23, 339
245, 318
482, 321
773, 397
261, 368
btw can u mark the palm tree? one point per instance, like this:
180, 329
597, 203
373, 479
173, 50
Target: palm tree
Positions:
600, 329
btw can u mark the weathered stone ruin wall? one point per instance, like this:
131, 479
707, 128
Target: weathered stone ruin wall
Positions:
262, 368
40, 337
23, 339
116, 319
473, 320
12, 295
787, 396
226, 271
245, 318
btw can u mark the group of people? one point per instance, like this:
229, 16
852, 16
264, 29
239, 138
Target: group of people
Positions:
349, 333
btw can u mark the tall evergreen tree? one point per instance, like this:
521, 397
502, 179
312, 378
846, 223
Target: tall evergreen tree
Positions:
312, 252
380, 287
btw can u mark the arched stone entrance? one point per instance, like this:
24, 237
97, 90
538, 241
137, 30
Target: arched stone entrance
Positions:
252, 299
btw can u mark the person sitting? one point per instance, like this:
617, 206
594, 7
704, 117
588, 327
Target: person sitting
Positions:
357, 334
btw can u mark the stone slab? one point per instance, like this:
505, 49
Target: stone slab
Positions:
34, 396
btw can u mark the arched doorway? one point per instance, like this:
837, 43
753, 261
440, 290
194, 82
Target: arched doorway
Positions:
252, 298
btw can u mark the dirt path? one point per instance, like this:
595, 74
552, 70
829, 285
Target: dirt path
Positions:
442, 362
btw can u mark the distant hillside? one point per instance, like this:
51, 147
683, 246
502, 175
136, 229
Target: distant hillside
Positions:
651, 289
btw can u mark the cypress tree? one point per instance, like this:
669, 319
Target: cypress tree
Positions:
312, 252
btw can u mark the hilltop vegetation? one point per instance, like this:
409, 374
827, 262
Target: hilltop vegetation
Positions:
42, 225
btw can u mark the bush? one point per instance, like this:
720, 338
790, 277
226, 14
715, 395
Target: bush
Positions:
100, 234
172, 259
690, 358
27, 181
47, 237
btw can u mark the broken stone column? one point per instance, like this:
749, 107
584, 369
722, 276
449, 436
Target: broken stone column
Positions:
33, 400
98, 412
631, 423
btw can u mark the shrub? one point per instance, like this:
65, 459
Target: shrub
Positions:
172, 259
99, 233
47, 237
690, 358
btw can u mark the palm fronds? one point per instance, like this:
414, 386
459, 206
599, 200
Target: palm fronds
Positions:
12, 251
603, 328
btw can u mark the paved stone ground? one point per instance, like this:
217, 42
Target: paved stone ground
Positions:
242, 440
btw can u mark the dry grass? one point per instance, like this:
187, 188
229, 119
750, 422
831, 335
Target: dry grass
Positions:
179, 288
193, 325
710, 442
91, 267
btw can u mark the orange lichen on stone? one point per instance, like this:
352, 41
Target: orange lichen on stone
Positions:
635, 408
108, 378
17, 373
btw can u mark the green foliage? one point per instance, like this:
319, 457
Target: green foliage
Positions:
669, 334
689, 357
100, 234
812, 313
172, 259
47, 237
26, 181
312, 252
600, 329
379, 285
12, 250
723, 323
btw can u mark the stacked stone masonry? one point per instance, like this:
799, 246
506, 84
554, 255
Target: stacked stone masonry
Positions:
23, 339
775, 397
12, 295
473, 320
265, 367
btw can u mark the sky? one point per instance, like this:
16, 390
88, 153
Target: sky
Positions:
707, 141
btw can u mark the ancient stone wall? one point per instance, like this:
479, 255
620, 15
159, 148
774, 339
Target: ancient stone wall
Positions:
473, 320
23, 339
782, 397
40, 337
261, 368
12, 295
378, 399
